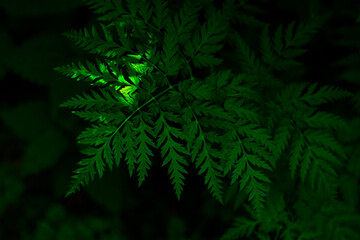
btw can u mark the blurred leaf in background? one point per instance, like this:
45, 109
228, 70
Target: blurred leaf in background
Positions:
34, 59
31, 123
6, 47
37, 7
11, 187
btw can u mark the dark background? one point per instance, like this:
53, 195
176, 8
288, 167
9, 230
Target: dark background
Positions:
38, 149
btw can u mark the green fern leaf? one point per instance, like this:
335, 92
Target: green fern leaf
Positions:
268, 55
94, 99
89, 73
252, 179
109, 10
295, 155
171, 150
203, 159
93, 43
325, 94
87, 170
172, 63
186, 20
305, 164
243, 109
94, 116
129, 146
241, 156
304, 31
325, 144
145, 9
108, 155
249, 62
282, 137
97, 131
325, 120
207, 42
277, 40
161, 13
241, 227
282, 60
143, 142
192, 89
116, 147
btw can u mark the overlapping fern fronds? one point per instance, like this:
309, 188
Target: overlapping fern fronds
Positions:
225, 125
125, 75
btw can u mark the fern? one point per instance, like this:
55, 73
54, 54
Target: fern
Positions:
172, 149
325, 94
143, 142
241, 227
206, 42
158, 86
314, 146
281, 50
185, 21
95, 44
94, 99
203, 159
161, 14
121, 78
109, 10
245, 155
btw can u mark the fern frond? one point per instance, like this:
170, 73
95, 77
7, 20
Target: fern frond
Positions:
203, 159
207, 42
89, 73
92, 42
129, 146
116, 147
305, 164
257, 134
143, 143
186, 20
296, 151
241, 227
249, 62
87, 170
324, 94
325, 120
161, 13
109, 10
241, 156
88, 101
323, 178
314, 149
304, 31
242, 109
95, 116
274, 55
282, 137
144, 9
171, 149
209, 109
193, 89
97, 131
328, 143
256, 189
280, 51
268, 55
172, 63
317, 161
